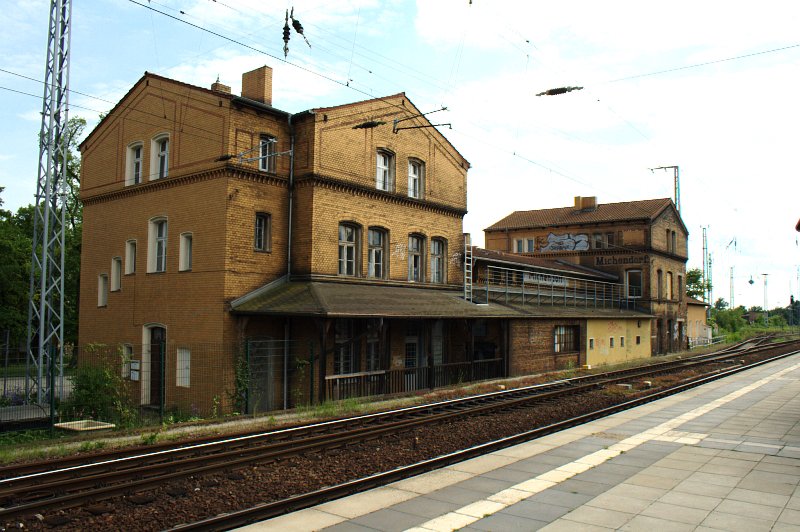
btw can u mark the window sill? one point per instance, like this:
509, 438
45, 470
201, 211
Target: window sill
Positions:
256, 250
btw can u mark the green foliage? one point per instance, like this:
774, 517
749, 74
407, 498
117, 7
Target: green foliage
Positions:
695, 286
16, 245
241, 384
99, 392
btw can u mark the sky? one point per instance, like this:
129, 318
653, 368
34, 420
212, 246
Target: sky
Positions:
711, 87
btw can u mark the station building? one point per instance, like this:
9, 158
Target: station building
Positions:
324, 248
643, 244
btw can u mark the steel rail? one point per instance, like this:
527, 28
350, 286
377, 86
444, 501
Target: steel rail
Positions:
267, 510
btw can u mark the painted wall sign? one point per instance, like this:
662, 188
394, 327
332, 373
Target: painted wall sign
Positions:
566, 242
619, 261
545, 279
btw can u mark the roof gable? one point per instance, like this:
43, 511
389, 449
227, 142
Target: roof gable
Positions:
641, 210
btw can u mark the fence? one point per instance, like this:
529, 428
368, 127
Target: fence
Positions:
510, 285
129, 385
410, 379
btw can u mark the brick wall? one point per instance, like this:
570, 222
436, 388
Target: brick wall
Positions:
532, 346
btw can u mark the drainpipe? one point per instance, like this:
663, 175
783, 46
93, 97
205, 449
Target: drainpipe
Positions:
286, 328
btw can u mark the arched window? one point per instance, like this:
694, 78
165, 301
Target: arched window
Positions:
157, 245
416, 258
438, 263
133, 164
377, 241
159, 159
416, 178
348, 249
384, 172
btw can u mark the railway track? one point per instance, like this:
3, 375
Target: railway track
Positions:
54, 485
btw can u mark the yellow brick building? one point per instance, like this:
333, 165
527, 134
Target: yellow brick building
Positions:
643, 244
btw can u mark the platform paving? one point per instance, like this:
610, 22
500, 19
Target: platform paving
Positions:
724, 456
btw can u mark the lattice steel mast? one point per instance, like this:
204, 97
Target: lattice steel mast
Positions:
46, 307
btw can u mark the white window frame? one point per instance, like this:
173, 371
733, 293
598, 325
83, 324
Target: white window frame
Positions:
133, 164
183, 367
159, 159
185, 252
416, 178
416, 258
102, 290
130, 257
628, 284
348, 249
262, 236
376, 253
384, 170
157, 246
438, 263
116, 274
519, 245
267, 149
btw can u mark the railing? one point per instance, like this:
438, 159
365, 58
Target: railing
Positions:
510, 285
403, 380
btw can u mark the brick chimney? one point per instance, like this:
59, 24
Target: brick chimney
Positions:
257, 85
586, 204
220, 87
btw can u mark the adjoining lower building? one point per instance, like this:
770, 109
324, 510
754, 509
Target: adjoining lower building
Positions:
642, 243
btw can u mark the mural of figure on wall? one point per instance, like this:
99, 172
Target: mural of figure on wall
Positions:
566, 242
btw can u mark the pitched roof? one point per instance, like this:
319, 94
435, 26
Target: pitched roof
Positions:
526, 261
605, 212
694, 301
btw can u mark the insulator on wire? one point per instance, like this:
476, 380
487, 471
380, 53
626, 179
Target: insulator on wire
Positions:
286, 35
298, 27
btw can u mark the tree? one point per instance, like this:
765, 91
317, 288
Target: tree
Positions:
720, 304
695, 287
16, 234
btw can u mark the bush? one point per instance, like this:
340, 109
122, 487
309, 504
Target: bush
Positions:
99, 392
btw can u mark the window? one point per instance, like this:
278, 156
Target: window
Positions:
157, 246
437, 342
597, 241
412, 351
518, 243
185, 258
116, 273
530, 245
127, 356
680, 288
591, 343
609, 243
669, 241
669, 285
622, 341
376, 242
660, 281
267, 160
416, 173
384, 177
343, 347
638, 340
633, 283
183, 367
263, 232
133, 169
348, 245
159, 165
438, 252
415, 262
130, 257
102, 290
566, 338
373, 345
674, 242
611, 342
